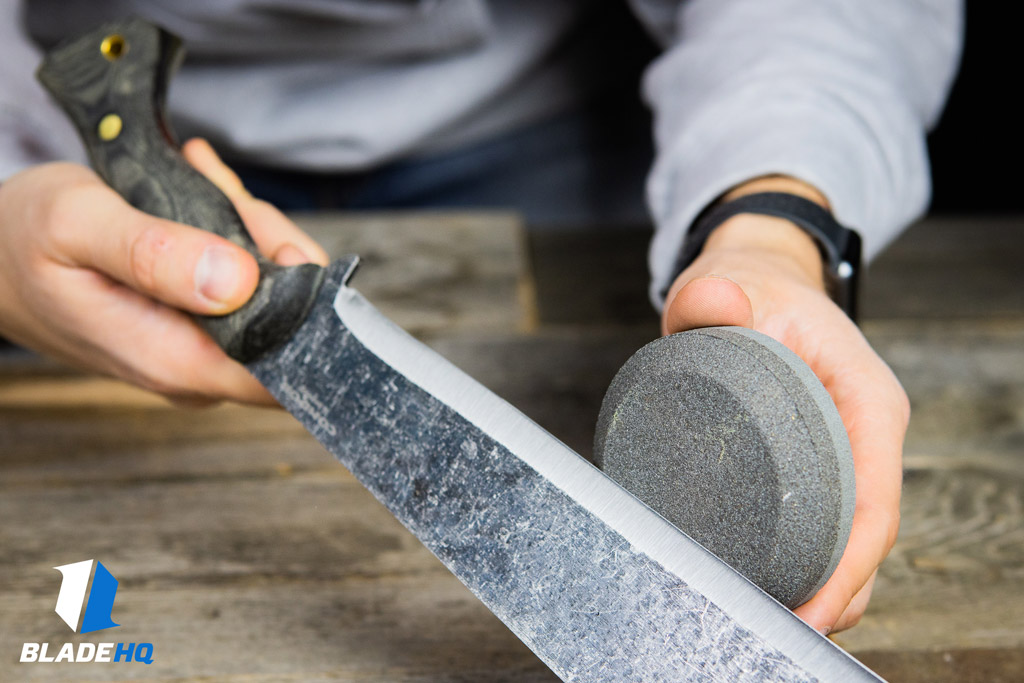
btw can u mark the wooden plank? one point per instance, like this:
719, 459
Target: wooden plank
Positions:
953, 581
950, 268
983, 665
245, 553
297, 573
389, 629
941, 268
587, 277
965, 380
436, 273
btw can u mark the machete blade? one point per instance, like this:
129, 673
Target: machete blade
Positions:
597, 584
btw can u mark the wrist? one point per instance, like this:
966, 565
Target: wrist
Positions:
759, 235
771, 234
777, 183
756, 236
796, 207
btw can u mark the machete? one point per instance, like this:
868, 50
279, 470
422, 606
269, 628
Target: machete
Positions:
596, 583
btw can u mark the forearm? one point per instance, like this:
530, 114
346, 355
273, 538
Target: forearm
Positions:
836, 94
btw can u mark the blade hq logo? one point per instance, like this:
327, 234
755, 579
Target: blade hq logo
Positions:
96, 596
73, 589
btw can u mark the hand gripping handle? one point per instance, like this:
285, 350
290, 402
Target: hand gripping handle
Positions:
112, 82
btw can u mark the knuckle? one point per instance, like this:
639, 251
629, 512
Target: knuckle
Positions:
900, 402
146, 251
156, 386
67, 210
892, 530
905, 408
150, 377
160, 381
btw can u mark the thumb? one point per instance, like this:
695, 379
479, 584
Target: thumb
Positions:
181, 266
707, 301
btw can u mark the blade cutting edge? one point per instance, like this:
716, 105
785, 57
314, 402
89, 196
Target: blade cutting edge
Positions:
590, 578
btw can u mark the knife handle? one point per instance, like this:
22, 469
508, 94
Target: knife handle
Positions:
112, 82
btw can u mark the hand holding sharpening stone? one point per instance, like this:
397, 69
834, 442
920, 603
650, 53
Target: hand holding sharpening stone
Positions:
730, 436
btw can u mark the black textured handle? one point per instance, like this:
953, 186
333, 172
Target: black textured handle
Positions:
112, 82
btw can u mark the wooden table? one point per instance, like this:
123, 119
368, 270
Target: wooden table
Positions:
244, 553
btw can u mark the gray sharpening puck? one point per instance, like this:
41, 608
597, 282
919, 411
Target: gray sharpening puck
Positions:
731, 437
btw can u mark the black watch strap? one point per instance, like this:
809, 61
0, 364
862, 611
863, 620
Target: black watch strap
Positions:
840, 247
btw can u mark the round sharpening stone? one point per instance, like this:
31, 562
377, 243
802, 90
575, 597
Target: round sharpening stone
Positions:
730, 436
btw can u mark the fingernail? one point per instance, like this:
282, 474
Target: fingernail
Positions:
216, 274
825, 630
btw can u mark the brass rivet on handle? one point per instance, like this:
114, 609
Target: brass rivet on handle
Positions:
113, 46
110, 127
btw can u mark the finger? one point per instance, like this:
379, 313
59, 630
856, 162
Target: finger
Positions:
156, 347
277, 236
706, 302
876, 422
204, 159
874, 527
289, 255
181, 266
864, 552
852, 614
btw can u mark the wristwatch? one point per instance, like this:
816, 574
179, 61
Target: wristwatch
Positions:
840, 246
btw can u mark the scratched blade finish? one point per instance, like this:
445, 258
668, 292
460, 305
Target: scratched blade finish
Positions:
599, 586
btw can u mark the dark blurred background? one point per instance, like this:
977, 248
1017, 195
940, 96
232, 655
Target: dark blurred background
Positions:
976, 148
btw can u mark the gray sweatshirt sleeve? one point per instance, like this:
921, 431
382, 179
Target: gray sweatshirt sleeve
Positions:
32, 128
838, 93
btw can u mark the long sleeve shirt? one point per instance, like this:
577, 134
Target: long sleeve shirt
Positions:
838, 93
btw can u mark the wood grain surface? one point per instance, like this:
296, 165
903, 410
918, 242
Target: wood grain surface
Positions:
245, 554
